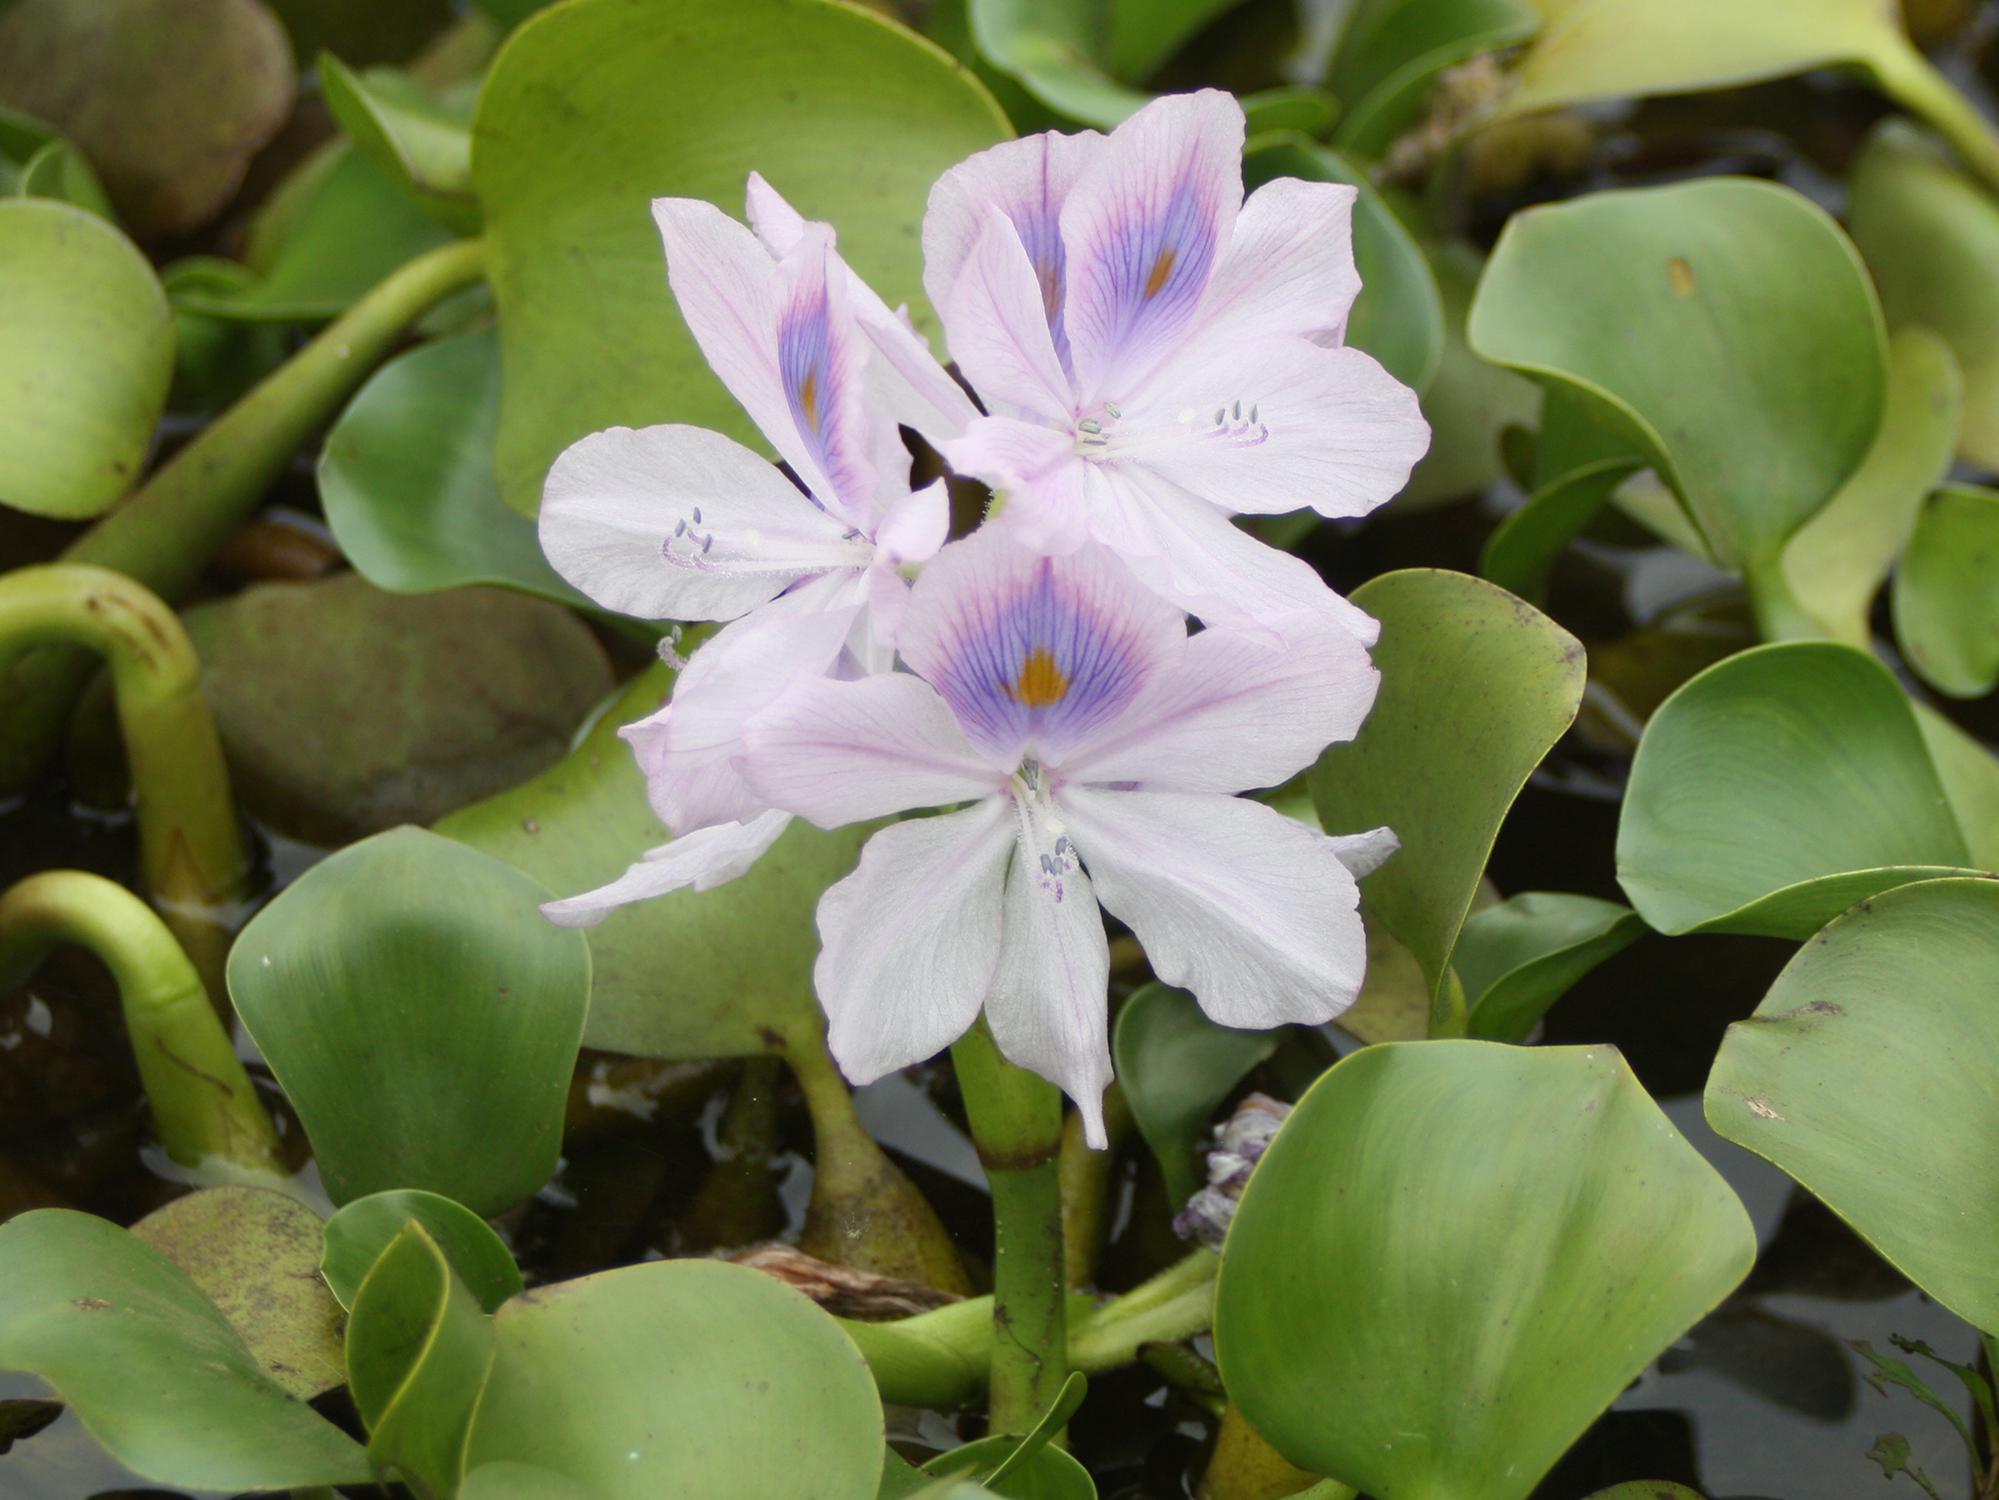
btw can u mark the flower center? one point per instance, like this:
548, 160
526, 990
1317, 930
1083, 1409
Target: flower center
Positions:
1045, 845
1041, 681
1103, 434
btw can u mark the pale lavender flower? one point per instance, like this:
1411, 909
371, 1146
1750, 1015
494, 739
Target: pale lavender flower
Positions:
1097, 747
1157, 354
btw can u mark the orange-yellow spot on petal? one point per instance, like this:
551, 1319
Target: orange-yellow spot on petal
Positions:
808, 399
1161, 269
1040, 682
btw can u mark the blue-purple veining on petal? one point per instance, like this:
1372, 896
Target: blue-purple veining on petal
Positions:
815, 377
1040, 667
1158, 265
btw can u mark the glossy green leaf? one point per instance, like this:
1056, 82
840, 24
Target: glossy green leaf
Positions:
1970, 776
418, 1351
155, 1371
1522, 549
1476, 686
685, 98
358, 1233
361, 31
1837, 561
419, 143
680, 1377
1518, 958
429, 703
1647, 1489
718, 973
56, 169
1619, 49
512, 1481
1633, 301
1866, 1074
1391, 52
254, 1253
1048, 1473
1777, 788
1469, 402
421, 967
1399, 315
1176, 1067
1394, 1000
1055, 49
406, 478
86, 355
1947, 592
329, 233
1532, 1225
168, 98
1931, 238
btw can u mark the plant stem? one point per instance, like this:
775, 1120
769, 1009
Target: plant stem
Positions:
1176, 1304
1780, 615
165, 533
1909, 78
191, 855
204, 1105
1086, 1181
1016, 1120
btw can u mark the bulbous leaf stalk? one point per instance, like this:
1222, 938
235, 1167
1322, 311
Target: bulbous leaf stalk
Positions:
166, 532
192, 859
203, 1103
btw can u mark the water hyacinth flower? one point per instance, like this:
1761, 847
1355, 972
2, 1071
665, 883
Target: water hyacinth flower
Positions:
1156, 355
679, 523
1098, 748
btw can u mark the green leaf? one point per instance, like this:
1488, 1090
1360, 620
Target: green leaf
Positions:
1619, 49
1176, 1066
1391, 52
58, 170
1469, 403
406, 478
1931, 237
168, 98
422, 967
1054, 49
358, 1233
1142, 37
86, 355
1866, 1074
1837, 561
682, 1377
740, 956
1970, 776
329, 233
254, 1253
156, 1373
1454, 1255
417, 142
1631, 301
684, 98
1518, 958
418, 1350
1048, 1473
1647, 1489
512, 1481
1775, 789
1946, 599
1399, 315
429, 703
1476, 686
1522, 550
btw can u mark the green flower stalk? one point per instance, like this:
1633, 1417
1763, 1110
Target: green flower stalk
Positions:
191, 853
204, 1105
1016, 1120
165, 533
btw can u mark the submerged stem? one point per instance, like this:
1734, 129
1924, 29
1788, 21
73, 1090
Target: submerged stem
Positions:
165, 533
191, 854
1016, 1120
203, 1103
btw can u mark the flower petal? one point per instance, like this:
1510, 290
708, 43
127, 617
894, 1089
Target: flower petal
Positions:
1364, 853
1289, 267
702, 860
822, 361
915, 526
998, 333
1185, 550
1276, 424
1037, 469
905, 380
1142, 229
843, 752
1034, 652
689, 750
1028, 181
679, 523
1251, 911
1237, 711
908, 942
1050, 994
